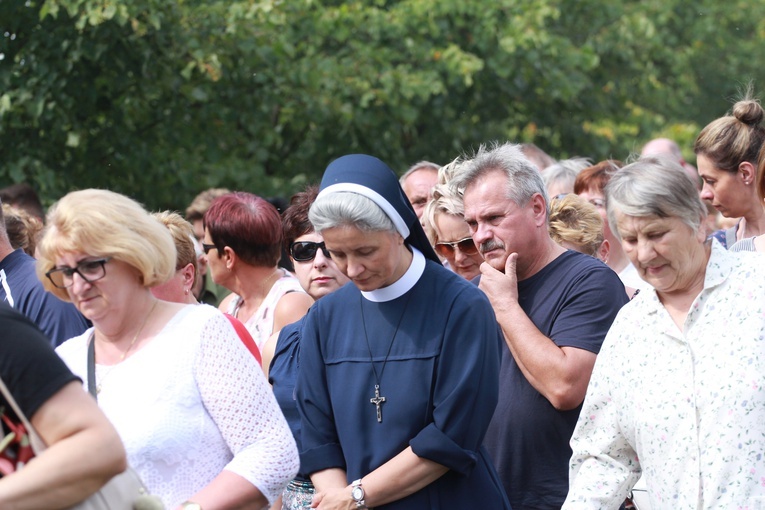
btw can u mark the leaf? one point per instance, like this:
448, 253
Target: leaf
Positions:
72, 139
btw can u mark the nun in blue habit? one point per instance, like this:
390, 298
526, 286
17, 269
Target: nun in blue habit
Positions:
399, 370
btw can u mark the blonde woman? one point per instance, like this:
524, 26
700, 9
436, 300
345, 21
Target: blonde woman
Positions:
178, 288
575, 224
197, 418
444, 224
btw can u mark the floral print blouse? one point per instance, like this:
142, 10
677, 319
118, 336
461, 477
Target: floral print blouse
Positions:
685, 408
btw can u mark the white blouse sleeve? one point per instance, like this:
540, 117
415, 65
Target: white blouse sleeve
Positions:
604, 466
236, 394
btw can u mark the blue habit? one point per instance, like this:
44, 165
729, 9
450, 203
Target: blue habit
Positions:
440, 383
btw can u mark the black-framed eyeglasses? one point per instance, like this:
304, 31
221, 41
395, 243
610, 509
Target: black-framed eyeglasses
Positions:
207, 247
89, 270
466, 246
305, 251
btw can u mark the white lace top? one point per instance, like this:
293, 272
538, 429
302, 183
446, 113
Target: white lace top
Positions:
190, 404
261, 324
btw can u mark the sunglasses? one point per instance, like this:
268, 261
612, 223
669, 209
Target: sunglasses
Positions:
305, 251
207, 247
466, 246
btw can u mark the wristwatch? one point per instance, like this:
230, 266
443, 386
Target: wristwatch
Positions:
357, 493
190, 505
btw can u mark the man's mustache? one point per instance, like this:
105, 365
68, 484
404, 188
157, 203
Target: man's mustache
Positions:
491, 245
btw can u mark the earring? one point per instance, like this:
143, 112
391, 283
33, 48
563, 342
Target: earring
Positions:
186, 291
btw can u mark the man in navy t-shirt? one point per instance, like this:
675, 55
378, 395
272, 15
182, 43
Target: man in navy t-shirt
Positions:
22, 290
554, 306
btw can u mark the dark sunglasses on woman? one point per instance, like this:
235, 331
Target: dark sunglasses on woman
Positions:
305, 251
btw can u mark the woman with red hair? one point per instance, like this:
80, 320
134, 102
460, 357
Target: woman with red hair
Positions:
590, 185
243, 241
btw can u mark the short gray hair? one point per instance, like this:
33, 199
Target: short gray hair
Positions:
523, 178
420, 165
564, 171
654, 186
345, 208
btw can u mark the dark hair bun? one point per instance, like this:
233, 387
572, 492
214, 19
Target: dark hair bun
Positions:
749, 112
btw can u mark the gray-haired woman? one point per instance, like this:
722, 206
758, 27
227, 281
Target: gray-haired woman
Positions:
398, 372
678, 390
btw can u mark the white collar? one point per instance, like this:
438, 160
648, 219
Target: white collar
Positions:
403, 284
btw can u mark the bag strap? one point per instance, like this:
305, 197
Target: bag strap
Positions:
38, 445
92, 366
245, 337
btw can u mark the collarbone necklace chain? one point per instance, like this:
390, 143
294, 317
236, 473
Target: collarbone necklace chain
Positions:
100, 383
378, 400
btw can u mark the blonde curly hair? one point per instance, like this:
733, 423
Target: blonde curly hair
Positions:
575, 221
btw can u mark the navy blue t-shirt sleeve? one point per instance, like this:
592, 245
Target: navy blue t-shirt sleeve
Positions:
58, 319
590, 304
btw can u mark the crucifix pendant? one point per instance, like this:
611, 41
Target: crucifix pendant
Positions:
377, 400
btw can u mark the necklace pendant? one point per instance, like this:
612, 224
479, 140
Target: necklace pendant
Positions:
377, 401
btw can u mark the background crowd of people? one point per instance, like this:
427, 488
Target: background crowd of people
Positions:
503, 331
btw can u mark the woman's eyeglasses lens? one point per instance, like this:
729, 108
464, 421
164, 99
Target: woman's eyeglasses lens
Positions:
89, 270
207, 247
600, 203
466, 246
304, 251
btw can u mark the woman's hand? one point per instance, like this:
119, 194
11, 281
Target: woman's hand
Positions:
332, 490
334, 499
404, 474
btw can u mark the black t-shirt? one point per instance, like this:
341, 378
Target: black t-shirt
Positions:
30, 368
573, 301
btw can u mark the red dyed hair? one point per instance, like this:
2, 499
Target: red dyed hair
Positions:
596, 176
247, 224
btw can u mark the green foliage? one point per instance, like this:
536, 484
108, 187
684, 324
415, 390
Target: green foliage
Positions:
160, 100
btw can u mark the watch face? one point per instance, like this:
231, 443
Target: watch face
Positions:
357, 493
